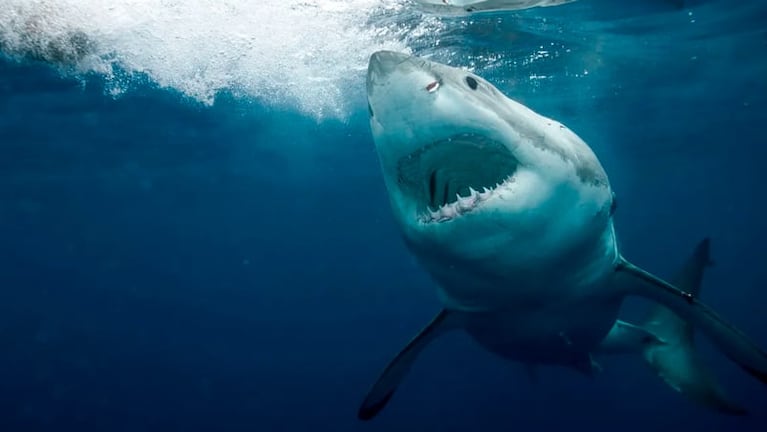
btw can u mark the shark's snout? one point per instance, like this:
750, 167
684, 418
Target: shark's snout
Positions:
381, 65
384, 62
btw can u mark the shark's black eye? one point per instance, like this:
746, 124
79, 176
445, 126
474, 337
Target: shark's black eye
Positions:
471, 82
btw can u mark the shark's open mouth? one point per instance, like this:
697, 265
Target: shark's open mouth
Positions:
453, 176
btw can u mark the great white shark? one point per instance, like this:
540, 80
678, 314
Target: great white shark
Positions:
511, 213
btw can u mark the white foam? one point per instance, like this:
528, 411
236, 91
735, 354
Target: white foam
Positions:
308, 55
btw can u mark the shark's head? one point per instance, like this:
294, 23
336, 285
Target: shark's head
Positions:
470, 171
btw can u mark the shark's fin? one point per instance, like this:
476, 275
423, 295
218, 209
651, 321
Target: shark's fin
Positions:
383, 389
661, 320
675, 359
677, 362
627, 338
680, 311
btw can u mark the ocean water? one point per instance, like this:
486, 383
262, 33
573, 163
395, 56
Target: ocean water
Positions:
194, 233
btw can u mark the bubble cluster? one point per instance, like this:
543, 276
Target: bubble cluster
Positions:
307, 55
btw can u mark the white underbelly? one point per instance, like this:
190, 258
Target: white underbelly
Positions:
539, 310
504, 279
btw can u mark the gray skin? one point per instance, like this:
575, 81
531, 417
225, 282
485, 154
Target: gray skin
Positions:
511, 214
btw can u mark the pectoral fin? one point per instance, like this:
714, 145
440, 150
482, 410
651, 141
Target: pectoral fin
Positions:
627, 338
679, 362
383, 389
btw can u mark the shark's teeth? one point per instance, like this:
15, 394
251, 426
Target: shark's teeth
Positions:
466, 204
449, 211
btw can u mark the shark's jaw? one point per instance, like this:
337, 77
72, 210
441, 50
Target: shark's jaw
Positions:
451, 177
489, 195
476, 179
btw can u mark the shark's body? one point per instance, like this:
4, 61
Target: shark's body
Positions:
512, 215
463, 7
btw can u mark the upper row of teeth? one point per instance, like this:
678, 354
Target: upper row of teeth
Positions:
462, 204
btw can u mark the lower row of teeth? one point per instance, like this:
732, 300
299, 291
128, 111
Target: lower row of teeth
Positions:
462, 204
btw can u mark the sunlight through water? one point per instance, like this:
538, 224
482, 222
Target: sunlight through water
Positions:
302, 54
310, 56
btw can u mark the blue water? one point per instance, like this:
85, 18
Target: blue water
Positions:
171, 264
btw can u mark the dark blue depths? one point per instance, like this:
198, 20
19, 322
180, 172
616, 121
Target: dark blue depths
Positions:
166, 266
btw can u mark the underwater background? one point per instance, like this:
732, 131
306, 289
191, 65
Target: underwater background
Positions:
194, 233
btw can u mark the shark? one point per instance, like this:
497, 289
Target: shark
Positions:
511, 213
